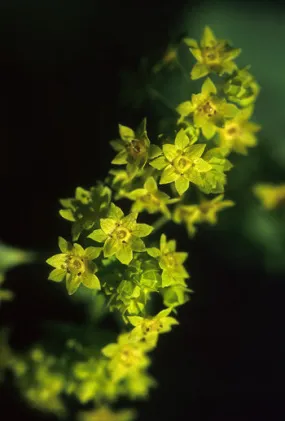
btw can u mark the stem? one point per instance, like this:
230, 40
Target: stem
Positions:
163, 100
183, 70
159, 223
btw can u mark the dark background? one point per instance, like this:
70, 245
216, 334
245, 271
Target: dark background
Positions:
61, 67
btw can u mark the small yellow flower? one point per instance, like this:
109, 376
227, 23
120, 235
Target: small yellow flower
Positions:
238, 134
270, 195
212, 55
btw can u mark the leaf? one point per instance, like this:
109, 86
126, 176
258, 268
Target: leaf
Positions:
125, 254
142, 230
72, 284
170, 151
120, 158
126, 133
57, 275
150, 185
111, 246
208, 129
169, 175
90, 280
208, 87
117, 145
181, 185
202, 166
153, 251
181, 140
98, 235
108, 225
92, 253
194, 176
57, 260
195, 151
63, 245
154, 151
110, 350
199, 70
115, 212
135, 320
185, 108
137, 244
159, 163
67, 214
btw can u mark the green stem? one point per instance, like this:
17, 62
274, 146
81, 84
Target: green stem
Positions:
161, 98
159, 223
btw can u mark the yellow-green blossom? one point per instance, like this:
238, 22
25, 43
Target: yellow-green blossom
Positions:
208, 110
151, 199
270, 195
212, 55
148, 329
170, 261
206, 211
181, 163
75, 265
126, 356
241, 87
134, 149
121, 234
238, 134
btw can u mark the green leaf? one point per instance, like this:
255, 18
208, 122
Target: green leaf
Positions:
137, 244
150, 185
98, 235
185, 108
110, 247
125, 254
63, 245
154, 151
202, 166
67, 214
159, 163
120, 158
126, 133
115, 212
153, 251
57, 275
170, 151
142, 230
117, 145
208, 87
57, 260
181, 140
92, 253
110, 350
108, 225
181, 185
90, 280
208, 130
135, 320
199, 70
169, 175
72, 284
194, 176
195, 151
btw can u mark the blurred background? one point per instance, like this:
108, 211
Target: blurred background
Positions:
70, 72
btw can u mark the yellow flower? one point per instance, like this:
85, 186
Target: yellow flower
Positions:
270, 195
212, 55
238, 134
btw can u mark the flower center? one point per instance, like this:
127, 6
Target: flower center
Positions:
182, 164
209, 109
75, 265
129, 356
232, 131
149, 199
210, 55
137, 148
122, 234
151, 326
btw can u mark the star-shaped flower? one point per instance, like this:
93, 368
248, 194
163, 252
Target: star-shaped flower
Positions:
121, 234
75, 265
212, 55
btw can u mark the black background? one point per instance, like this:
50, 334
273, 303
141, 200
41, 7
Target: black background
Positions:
60, 72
